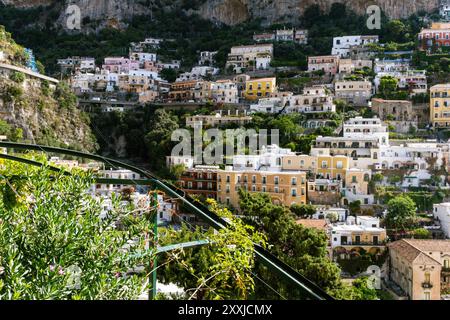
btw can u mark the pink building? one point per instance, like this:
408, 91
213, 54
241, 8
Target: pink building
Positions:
328, 64
120, 65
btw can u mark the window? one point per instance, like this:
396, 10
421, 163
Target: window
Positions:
294, 192
264, 180
277, 180
339, 165
354, 179
294, 181
427, 296
324, 164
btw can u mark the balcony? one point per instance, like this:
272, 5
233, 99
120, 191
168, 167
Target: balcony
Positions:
427, 285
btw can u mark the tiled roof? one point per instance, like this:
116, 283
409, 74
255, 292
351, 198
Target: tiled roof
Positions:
412, 249
320, 224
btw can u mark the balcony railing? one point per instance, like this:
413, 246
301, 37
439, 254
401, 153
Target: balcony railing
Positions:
427, 285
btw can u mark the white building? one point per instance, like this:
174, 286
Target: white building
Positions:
263, 62
207, 58
441, 212
269, 159
360, 127
143, 57
109, 189
187, 161
351, 234
342, 45
225, 91
313, 100
197, 73
444, 9
398, 65
415, 158
413, 80
330, 213
284, 35
356, 93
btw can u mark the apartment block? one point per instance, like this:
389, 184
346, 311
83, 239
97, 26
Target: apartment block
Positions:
439, 105
356, 93
259, 88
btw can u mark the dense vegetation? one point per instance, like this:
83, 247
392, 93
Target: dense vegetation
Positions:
192, 34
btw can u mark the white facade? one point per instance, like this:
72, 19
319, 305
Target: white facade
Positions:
263, 62
197, 73
207, 58
341, 234
414, 80
368, 221
415, 157
187, 161
391, 66
313, 100
342, 45
269, 159
441, 211
360, 127
225, 91
328, 212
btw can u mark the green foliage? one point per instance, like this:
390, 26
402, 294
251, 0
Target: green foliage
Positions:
17, 77
401, 213
220, 270
303, 210
54, 245
302, 248
169, 74
65, 97
158, 138
12, 93
422, 233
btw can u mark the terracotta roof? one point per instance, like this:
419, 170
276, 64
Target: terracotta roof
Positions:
417, 250
320, 224
426, 245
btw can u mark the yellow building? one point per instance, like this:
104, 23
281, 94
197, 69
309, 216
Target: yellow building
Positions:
260, 88
298, 162
283, 187
440, 105
324, 166
332, 167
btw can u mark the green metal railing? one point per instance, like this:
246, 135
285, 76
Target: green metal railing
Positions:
309, 289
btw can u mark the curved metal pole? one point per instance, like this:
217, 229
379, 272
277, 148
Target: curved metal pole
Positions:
305, 285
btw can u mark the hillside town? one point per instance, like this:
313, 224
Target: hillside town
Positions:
364, 156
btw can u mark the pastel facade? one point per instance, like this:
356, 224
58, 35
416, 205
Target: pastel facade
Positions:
327, 64
420, 267
356, 93
259, 88
440, 105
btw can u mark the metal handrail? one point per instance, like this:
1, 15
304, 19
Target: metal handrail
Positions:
311, 290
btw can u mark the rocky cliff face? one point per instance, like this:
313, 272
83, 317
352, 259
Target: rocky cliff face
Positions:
235, 11
227, 11
45, 116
